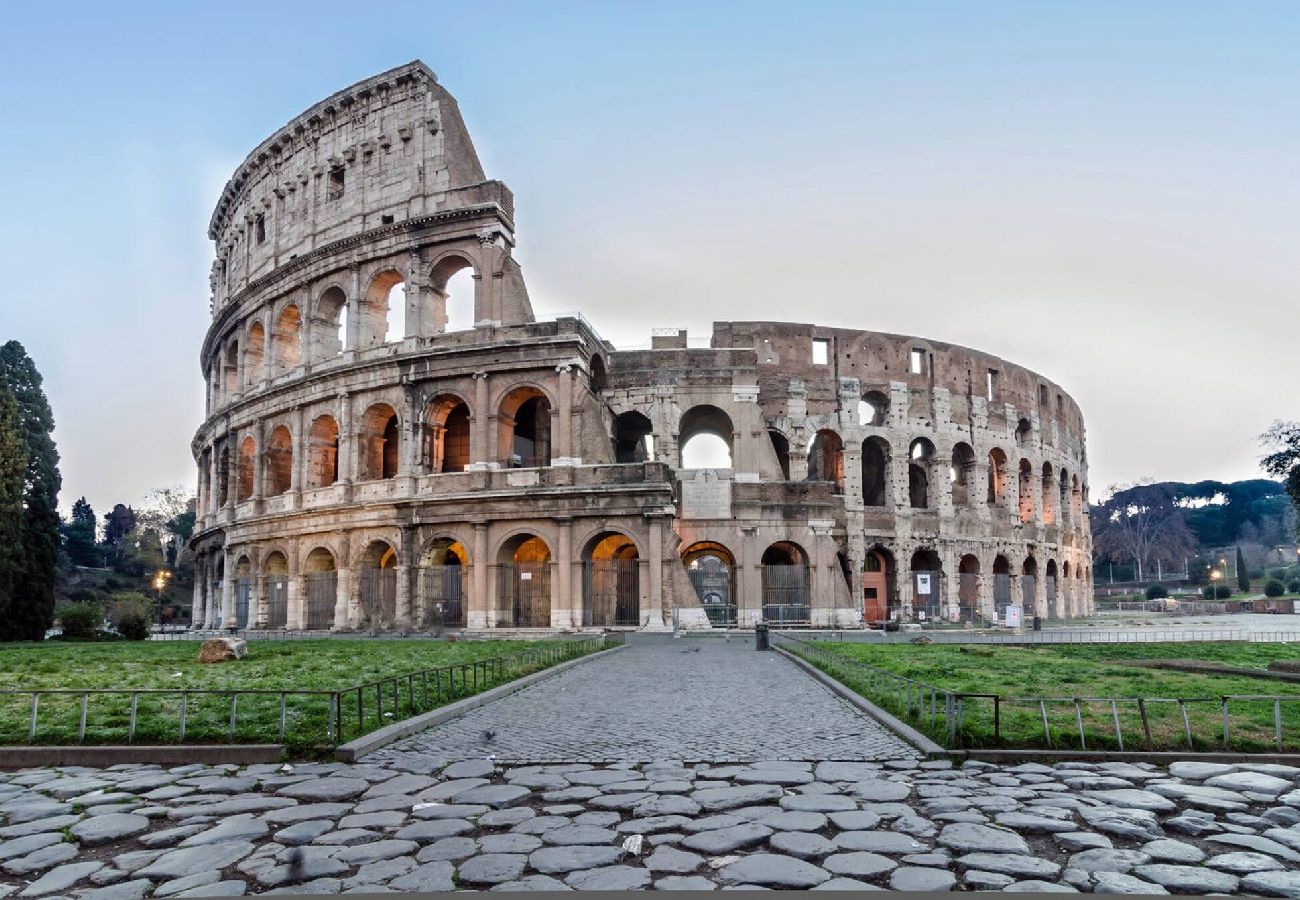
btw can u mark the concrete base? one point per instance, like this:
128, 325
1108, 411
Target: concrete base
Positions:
164, 755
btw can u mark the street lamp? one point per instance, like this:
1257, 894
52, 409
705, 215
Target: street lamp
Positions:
159, 583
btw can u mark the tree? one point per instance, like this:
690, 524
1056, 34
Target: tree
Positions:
1283, 439
1243, 575
79, 535
170, 512
1141, 522
31, 606
118, 524
13, 468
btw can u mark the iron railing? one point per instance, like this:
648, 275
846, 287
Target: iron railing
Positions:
611, 592
276, 594
322, 596
442, 602
524, 595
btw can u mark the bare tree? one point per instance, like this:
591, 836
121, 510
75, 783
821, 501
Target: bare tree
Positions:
1140, 522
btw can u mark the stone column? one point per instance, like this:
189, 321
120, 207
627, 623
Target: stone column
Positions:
481, 440
295, 593
214, 481
749, 578
656, 574
259, 612
343, 605
228, 592
562, 605
354, 313
259, 463
232, 475
347, 441
196, 602
300, 443
402, 617
562, 436
478, 615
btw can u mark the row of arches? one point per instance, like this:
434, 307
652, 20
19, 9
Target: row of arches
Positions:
333, 323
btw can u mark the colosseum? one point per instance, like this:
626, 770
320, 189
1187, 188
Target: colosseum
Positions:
377, 455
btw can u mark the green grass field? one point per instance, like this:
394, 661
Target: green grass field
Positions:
272, 666
1021, 676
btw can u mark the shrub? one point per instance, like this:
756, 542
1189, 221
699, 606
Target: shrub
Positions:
1157, 592
1278, 572
131, 614
80, 620
1274, 588
1293, 586
1216, 592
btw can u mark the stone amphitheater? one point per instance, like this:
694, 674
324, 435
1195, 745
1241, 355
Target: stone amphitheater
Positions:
393, 441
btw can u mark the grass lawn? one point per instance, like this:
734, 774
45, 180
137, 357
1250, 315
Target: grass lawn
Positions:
1021, 676
323, 665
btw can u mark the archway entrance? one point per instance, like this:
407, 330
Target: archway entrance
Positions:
322, 588
1028, 587
442, 585
275, 589
877, 585
711, 568
1001, 586
243, 591
1050, 587
927, 586
524, 588
611, 582
968, 589
378, 587
785, 584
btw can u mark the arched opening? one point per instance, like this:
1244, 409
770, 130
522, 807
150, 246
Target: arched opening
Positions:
323, 452
781, 446
1067, 591
255, 355
826, 459
611, 582
322, 588
451, 295
279, 461
1029, 588
247, 467
1024, 433
599, 379
217, 591
329, 326
875, 471
1076, 499
1049, 586
447, 433
232, 369
1063, 508
378, 443
997, 480
243, 591
524, 592
275, 589
223, 477
286, 342
927, 586
711, 569
442, 585
962, 474
383, 311
525, 429
873, 408
705, 438
879, 597
1026, 492
921, 457
1001, 586
785, 584
1049, 495
378, 586
633, 438
968, 588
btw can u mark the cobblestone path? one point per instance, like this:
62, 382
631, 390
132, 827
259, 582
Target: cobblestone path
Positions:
660, 698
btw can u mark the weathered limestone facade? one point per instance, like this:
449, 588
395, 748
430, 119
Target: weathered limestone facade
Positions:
525, 474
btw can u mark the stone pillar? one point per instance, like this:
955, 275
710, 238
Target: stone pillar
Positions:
481, 439
228, 592
300, 443
562, 436
656, 574
347, 441
403, 605
259, 612
562, 605
479, 614
259, 462
408, 450
343, 605
295, 592
354, 313
1040, 592
196, 602
749, 578
898, 477
214, 481
232, 475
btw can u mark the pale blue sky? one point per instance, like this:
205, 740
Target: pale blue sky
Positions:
1106, 192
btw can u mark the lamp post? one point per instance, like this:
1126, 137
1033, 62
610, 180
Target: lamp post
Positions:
159, 583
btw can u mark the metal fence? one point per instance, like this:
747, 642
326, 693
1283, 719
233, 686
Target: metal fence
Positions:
303, 719
611, 592
378, 596
1001, 594
524, 595
442, 599
243, 593
785, 594
927, 596
276, 590
322, 596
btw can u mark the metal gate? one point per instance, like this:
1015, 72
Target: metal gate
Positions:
441, 599
243, 591
276, 590
1001, 594
218, 602
1028, 584
711, 579
1050, 585
968, 596
524, 595
322, 596
611, 592
785, 595
927, 599
378, 598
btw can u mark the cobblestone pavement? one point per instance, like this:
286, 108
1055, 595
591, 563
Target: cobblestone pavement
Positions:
659, 698
135, 831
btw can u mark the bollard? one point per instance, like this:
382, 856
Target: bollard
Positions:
760, 636
1038, 623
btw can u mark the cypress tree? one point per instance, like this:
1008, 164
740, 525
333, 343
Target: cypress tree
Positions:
13, 469
1243, 575
31, 606
79, 535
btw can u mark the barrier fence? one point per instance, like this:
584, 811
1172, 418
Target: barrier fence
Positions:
1238, 722
305, 720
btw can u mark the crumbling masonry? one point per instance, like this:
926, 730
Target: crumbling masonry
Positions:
368, 462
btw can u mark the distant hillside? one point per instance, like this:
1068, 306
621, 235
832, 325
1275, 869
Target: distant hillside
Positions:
1219, 513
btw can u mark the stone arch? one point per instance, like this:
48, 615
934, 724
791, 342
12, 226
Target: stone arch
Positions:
962, 474
524, 588
927, 583
704, 435
633, 437
275, 588
1050, 585
378, 443
599, 378
254, 353
377, 583
781, 447
873, 408
786, 584
323, 452
286, 339
223, 477
279, 461
231, 379
453, 303
329, 324
711, 568
1076, 498
968, 588
920, 463
1026, 491
247, 469
1049, 494
443, 577
447, 433
875, 471
611, 580
826, 459
879, 584
382, 317
1001, 585
997, 477
524, 423
1024, 433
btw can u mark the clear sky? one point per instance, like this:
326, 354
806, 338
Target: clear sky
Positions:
1104, 192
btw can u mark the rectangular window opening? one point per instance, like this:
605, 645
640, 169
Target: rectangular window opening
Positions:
386, 220
918, 361
260, 224
821, 350
336, 184
992, 385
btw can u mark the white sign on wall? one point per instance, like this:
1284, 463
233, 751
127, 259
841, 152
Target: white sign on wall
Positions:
1015, 617
706, 496
923, 583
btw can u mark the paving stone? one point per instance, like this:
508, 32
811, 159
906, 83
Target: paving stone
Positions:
1168, 850
183, 861
1035, 886
170, 836
716, 799
541, 824
429, 878
1188, 879
1243, 862
854, 820
377, 873
186, 882
667, 805
685, 883
670, 859
60, 879
801, 844
388, 818
534, 883
494, 795
550, 860
232, 807
304, 832
32, 842
1256, 843
1201, 796
348, 837
1102, 859
136, 859
1034, 824
879, 842
1082, 840
986, 881
36, 826
238, 828
306, 811
1258, 782
509, 843
376, 850
969, 837
307, 870
125, 890
448, 850
1119, 883
1272, 883
579, 834
921, 878
727, 840
609, 878
433, 829
877, 790
1199, 771
1133, 798
1132, 823
40, 860
772, 870
1009, 864
503, 818
325, 789
822, 803
858, 864
1193, 826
